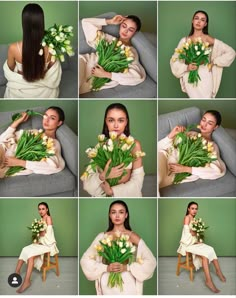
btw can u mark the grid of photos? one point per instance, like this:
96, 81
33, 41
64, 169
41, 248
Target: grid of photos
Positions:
118, 148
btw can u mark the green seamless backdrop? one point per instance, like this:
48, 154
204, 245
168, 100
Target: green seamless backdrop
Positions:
93, 219
59, 12
218, 214
143, 122
17, 214
70, 107
174, 22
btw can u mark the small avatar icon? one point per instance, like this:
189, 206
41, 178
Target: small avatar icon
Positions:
14, 280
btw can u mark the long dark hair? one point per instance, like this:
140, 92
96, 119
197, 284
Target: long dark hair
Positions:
205, 29
126, 223
189, 205
46, 205
216, 115
33, 32
117, 106
136, 20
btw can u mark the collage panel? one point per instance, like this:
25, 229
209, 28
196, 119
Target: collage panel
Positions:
193, 67
47, 65
202, 261
38, 148
51, 226
109, 221
127, 68
118, 148
205, 156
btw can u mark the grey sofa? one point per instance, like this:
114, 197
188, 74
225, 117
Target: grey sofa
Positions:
69, 81
222, 187
62, 184
147, 51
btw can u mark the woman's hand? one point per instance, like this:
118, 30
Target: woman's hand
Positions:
175, 131
24, 117
116, 267
114, 173
98, 71
192, 66
116, 20
13, 161
106, 188
193, 233
177, 168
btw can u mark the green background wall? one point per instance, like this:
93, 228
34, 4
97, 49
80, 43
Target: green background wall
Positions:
145, 10
218, 214
59, 12
17, 214
70, 107
143, 119
175, 22
226, 108
93, 219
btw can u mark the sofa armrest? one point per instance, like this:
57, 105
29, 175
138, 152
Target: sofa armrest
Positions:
69, 145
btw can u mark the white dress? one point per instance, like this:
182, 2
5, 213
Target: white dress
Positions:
133, 279
8, 145
134, 76
168, 154
188, 244
222, 56
47, 243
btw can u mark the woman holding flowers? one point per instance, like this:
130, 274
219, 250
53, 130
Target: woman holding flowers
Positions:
123, 67
30, 69
129, 177
111, 276
199, 59
202, 253
33, 254
51, 163
169, 154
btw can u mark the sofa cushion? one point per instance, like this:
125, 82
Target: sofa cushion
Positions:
185, 117
37, 185
3, 57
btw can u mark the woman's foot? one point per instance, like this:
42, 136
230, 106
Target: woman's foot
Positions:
212, 287
221, 276
24, 286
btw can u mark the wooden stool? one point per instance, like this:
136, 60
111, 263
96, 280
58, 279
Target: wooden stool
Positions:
48, 265
187, 264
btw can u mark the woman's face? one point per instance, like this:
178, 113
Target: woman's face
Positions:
127, 29
118, 214
199, 21
51, 120
42, 209
208, 124
116, 120
192, 210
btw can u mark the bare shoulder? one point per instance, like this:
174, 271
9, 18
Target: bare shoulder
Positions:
138, 146
210, 39
186, 220
134, 238
49, 220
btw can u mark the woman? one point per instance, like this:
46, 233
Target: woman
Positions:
52, 119
88, 63
134, 274
117, 119
202, 253
29, 69
33, 254
221, 56
168, 155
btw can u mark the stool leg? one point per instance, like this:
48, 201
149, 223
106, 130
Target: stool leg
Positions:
178, 265
191, 274
57, 265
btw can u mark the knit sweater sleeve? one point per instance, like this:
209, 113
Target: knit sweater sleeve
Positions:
222, 54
